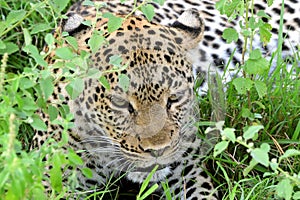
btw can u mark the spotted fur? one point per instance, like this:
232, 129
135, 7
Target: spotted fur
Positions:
152, 122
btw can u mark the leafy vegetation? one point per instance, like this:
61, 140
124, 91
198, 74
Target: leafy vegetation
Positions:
257, 157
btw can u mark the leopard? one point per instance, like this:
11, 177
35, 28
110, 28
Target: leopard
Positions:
152, 123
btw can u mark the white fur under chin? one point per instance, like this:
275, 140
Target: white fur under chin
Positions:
139, 177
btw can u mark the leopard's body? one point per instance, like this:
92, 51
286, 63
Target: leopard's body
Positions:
152, 122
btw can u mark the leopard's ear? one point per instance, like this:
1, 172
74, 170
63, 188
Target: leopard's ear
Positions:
192, 27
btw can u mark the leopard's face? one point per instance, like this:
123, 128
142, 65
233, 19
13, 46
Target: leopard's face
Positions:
152, 121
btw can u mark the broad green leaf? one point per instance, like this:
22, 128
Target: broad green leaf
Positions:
246, 113
75, 87
41, 27
114, 22
220, 147
26, 83
38, 124
9, 48
230, 34
49, 39
53, 112
242, 85
96, 41
74, 158
47, 87
64, 53
2, 44
124, 82
34, 53
87, 172
262, 13
148, 11
261, 155
296, 195
29, 104
59, 5
104, 82
284, 189
116, 60
251, 131
261, 88
229, 133
14, 16
265, 33
256, 64
72, 41
255, 54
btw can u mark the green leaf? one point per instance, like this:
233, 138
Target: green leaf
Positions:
229, 133
96, 41
265, 33
64, 53
47, 87
41, 27
220, 147
284, 189
27, 37
252, 164
34, 53
59, 5
72, 41
296, 195
251, 131
38, 124
124, 82
256, 64
261, 88
146, 183
148, 11
56, 177
246, 113
9, 48
242, 85
75, 87
114, 22
14, 16
87, 172
104, 82
255, 54
261, 155
26, 83
160, 2
53, 112
49, 39
230, 34
116, 60
2, 44
74, 158
289, 153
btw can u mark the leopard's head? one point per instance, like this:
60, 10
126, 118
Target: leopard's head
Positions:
151, 122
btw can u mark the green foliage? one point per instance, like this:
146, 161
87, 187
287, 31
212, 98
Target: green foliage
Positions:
262, 146
143, 192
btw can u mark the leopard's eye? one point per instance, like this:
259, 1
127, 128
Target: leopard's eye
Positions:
119, 102
172, 99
